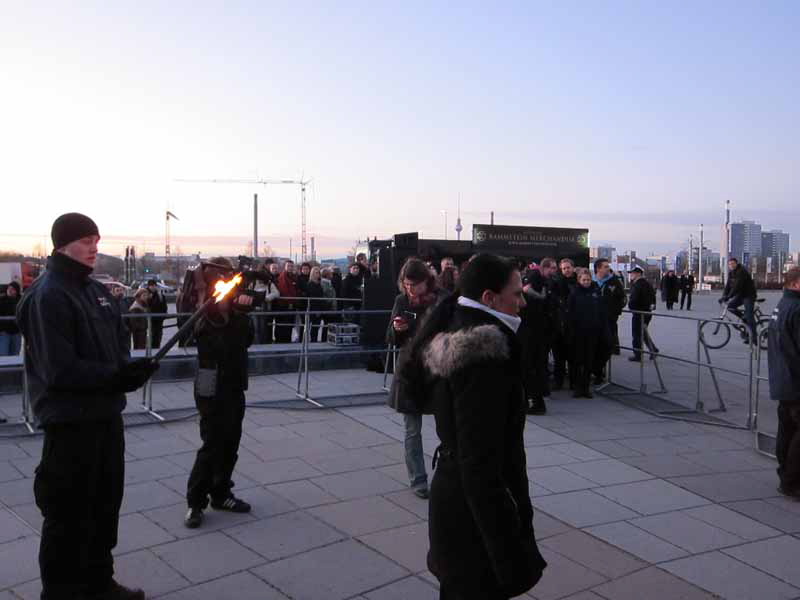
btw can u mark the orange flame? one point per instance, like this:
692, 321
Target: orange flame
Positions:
223, 288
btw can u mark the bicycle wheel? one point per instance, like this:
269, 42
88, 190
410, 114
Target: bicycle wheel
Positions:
715, 334
763, 327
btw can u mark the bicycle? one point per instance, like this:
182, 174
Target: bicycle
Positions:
716, 333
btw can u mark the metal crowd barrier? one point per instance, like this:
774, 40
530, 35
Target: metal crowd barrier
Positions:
300, 318
703, 361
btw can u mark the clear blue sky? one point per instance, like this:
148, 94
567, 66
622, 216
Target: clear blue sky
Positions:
635, 119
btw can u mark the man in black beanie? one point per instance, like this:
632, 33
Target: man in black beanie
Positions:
79, 369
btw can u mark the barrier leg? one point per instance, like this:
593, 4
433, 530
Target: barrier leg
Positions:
27, 417
699, 406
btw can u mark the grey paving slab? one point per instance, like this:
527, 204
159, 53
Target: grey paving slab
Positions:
666, 465
12, 527
349, 460
398, 472
546, 456
731, 461
583, 508
593, 553
407, 546
608, 472
539, 436
136, 532
636, 541
285, 535
170, 518
368, 482
242, 586
564, 577
546, 526
731, 487
26, 466
359, 439
9, 472
145, 570
685, 532
162, 447
768, 514
730, 578
405, 589
582, 596
30, 514
364, 515
206, 557
18, 491
731, 521
302, 493
558, 480
651, 584
706, 441
579, 451
147, 496
613, 449
653, 446
151, 469
277, 471
652, 496
408, 501
14, 569
10, 451
334, 572
776, 556
32, 590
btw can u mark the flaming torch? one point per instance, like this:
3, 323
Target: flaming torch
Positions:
221, 290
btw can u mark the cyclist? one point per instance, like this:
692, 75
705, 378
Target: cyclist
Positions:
740, 290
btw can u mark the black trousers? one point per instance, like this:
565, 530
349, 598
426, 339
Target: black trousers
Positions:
221, 431
561, 357
583, 363
78, 487
534, 364
640, 334
787, 446
158, 334
686, 297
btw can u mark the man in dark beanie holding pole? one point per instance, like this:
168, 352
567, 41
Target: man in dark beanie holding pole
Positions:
79, 370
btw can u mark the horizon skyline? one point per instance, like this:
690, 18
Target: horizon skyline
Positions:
636, 121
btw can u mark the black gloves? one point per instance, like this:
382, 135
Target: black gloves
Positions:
135, 374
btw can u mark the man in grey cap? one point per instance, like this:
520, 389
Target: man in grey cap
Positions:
79, 369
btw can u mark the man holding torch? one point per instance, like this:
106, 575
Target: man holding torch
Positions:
79, 369
224, 332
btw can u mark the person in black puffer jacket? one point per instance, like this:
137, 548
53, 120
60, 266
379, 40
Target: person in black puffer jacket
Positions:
588, 330
466, 359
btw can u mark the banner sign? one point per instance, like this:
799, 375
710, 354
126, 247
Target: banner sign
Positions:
514, 240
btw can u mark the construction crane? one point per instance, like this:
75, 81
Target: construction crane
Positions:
167, 236
301, 182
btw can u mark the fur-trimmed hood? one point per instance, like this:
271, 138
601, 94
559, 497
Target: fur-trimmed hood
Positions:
449, 352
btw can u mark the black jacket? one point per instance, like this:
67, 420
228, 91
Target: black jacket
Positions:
687, 283
402, 397
314, 290
223, 346
75, 346
158, 305
588, 323
562, 288
670, 286
642, 296
351, 288
539, 314
612, 293
740, 285
784, 349
8, 308
481, 517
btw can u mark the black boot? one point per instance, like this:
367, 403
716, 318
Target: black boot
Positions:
536, 406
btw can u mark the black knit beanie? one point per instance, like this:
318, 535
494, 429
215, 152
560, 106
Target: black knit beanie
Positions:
70, 227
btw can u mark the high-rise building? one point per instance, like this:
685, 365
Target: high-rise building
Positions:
775, 244
608, 252
745, 241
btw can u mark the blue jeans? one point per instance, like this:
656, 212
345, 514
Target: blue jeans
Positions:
415, 457
748, 318
10, 344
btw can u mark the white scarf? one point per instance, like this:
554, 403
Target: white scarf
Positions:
510, 321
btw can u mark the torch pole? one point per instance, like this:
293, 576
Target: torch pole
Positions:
186, 327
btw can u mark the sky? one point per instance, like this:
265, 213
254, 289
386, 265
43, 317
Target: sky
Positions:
634, 119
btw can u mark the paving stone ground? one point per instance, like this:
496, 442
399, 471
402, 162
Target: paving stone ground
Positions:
628, 506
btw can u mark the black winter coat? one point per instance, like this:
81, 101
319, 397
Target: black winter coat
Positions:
562, 288
588, 326
740, 285
351, 288
612, 293
75, 345
687, 283
670, 286
642, 296
8, 308
158, 305
481, 517
784, 350
314, 290
223, 346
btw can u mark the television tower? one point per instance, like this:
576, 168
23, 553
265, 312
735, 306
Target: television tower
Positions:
459, 228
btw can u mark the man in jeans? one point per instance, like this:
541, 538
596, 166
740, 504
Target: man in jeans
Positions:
784, 382
740, 290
